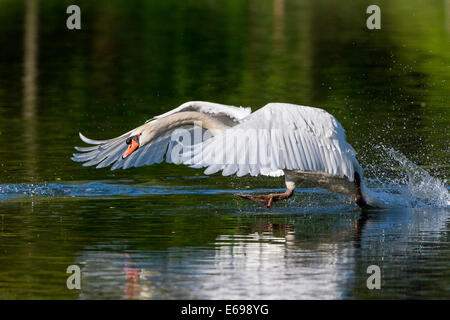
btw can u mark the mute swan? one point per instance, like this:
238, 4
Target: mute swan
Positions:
301, 143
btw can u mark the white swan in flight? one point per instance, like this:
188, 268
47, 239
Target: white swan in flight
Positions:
301, 143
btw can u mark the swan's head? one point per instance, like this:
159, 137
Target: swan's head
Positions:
139, 138
133, 143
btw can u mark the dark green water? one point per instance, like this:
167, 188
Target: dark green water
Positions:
167, 231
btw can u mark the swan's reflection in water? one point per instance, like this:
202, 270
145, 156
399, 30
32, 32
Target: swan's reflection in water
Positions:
293, 260
262, 266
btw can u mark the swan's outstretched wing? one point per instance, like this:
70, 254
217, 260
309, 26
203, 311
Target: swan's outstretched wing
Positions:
229, 115
279, 136
109, 152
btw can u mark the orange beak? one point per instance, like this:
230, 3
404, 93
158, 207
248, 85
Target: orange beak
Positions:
132, 146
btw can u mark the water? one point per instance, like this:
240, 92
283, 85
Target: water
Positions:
167, 231
411, 187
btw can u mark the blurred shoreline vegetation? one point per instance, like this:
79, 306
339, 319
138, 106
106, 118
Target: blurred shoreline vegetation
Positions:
134, 60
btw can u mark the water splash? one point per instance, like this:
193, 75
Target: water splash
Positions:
399, 182
396, 182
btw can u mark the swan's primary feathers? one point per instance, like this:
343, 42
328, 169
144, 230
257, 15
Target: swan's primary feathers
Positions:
109, 152
276, 137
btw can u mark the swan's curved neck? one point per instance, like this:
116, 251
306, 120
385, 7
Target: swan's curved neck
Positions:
163, 125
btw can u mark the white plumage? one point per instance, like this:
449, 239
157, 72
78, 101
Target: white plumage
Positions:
236, 114
280, 136
277, 139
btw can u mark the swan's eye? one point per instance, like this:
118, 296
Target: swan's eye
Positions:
133, 138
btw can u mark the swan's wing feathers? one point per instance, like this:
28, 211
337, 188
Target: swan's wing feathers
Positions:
276, 137
103, 153
229, 115
109, 152
279, 136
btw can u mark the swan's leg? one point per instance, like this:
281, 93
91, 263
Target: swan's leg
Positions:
267, 199
359, 199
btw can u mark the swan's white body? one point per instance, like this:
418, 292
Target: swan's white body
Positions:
302, 143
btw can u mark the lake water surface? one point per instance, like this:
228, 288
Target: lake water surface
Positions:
171, 232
